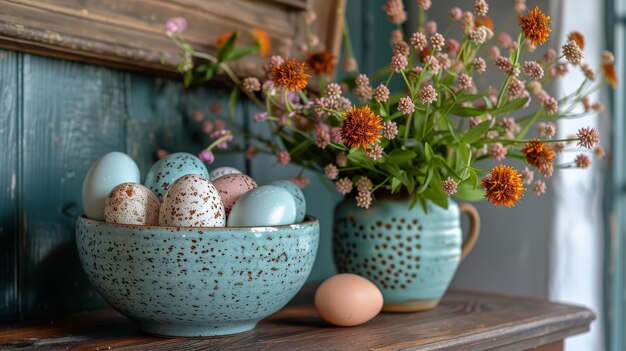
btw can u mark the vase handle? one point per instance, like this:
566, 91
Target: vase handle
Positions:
471, 238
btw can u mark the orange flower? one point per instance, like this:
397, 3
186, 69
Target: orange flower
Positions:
536, 26
265, 44
360, 127
321, 62
221, 40
483, 21
290, 74
578, 38
503, 186
538, 154
609, 74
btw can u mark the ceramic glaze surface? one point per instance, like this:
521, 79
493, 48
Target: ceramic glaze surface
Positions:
197, 281
410, 255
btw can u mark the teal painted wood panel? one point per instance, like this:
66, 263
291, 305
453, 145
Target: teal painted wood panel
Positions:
8, 183
72, 114
162, 115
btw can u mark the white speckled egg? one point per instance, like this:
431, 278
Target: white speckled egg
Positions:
297, 194
231, 187
222, 171
263, 206
192, 201
132, 203
171, 167
105, 174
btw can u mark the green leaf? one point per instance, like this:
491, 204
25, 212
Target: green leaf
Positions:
395, 185
467, 111
477, 132
466, 191
239, 52
232, 100
303, 146
392, 169
401, 156
227, 48
439, 198
452, 130
473, 178
358, 157
382, 112
188, 78
510, 107
429, 177
428, 153
409, 182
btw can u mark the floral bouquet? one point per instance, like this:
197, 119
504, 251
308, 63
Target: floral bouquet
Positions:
425, 138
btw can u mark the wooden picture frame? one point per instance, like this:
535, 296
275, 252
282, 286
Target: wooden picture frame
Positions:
130, 34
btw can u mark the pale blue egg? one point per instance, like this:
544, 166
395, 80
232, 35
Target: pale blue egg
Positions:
105, 174
297, 195
171, 167
263, 206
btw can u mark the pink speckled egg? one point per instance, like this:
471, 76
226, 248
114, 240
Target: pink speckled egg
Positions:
231, 187
192, 201
131, 203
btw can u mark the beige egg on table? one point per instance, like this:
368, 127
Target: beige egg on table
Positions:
347, 300
131, 203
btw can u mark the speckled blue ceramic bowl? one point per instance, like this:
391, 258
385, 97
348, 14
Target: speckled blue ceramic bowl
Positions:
181, 281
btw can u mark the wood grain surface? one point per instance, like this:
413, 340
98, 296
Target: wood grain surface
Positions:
464, 321
130, 35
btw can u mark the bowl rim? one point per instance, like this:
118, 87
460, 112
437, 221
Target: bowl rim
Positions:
308, 221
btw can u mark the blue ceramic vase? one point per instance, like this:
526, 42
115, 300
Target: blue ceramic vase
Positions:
182, 281
411, 255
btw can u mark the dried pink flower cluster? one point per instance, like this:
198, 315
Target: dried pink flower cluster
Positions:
283, 157
344, 186
406, 105
398, 63
588, 137
331, 171
449, 186
481, 8
428, 94
533, 69
390, 130
572, 52
395, 11
381, 93
251, 84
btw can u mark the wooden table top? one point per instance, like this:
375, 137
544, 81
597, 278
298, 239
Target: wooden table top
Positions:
465, 320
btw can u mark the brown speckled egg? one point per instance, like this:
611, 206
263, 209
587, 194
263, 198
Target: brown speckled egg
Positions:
192, 201
131, 203
231, 187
